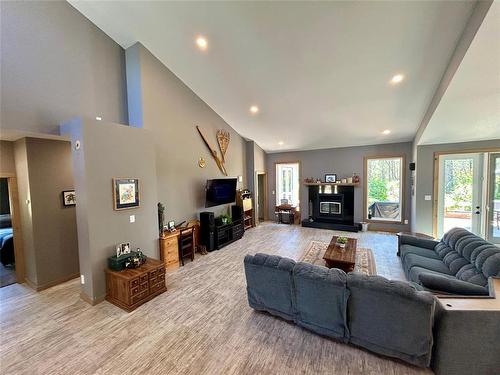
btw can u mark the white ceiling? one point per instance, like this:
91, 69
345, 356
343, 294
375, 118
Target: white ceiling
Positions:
470, 108
319, 71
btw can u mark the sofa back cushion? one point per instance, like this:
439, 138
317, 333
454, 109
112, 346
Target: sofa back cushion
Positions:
269, 284
390, 318
469, 257
321, 299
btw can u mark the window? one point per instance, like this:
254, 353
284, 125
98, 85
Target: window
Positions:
287, 183
384, 189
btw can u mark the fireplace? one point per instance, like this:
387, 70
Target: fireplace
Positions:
331, 207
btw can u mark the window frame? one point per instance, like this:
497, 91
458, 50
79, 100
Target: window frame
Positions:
403, 186
276, 180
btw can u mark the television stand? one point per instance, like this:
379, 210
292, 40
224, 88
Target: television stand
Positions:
228, 233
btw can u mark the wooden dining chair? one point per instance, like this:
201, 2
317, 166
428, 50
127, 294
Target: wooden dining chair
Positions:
186, 244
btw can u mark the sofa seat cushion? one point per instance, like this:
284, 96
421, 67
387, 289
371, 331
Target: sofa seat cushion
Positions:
437, 265
415, 272
321, 299
410, 249
447, 285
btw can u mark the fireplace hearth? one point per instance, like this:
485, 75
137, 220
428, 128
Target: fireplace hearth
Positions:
331, 207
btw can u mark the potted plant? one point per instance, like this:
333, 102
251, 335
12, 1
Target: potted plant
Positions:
224, 219
342, 241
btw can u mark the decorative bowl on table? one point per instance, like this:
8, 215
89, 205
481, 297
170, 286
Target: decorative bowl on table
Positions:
342, 241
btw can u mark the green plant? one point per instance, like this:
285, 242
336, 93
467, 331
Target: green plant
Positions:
342, 240
377, 190
225, 219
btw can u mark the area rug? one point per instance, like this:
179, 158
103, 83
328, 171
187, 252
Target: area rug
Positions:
365, 262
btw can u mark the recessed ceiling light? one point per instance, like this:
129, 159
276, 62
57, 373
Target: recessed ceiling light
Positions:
254, 109
98, 118
398, 78
281, 143
386, 131
202, 43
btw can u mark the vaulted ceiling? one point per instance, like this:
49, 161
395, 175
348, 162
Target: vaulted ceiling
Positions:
470, 108
318, 71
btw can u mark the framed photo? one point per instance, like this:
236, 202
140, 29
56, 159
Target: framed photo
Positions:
125, 193
331, 178
122, 249
69, 198
125, 247
171, 226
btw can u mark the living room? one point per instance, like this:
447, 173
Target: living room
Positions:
290, 172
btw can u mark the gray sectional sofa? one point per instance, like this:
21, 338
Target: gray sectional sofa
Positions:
391, 318
460, 263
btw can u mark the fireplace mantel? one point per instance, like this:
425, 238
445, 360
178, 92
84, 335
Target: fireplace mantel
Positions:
330, 184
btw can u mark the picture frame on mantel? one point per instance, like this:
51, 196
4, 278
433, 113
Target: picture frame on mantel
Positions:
331, 178
126, 194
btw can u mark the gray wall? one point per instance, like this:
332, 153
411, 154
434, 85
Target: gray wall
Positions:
111, 150
56, 65
344, 162
256, 162
7, 165
259, 158
425, 177
171, 110
44, 170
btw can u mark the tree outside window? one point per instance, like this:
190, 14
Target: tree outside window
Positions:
384, 188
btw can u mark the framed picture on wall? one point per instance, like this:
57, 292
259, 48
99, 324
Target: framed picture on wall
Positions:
331, 178
125, 193
69, 198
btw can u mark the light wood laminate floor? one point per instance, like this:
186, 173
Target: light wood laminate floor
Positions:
201, 325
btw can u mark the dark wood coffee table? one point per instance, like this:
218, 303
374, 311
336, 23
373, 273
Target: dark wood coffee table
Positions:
336, 257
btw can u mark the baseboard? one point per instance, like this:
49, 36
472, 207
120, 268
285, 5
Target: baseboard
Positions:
91, 301
30, 283
50, 284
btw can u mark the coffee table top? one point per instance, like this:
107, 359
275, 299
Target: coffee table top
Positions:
346, 256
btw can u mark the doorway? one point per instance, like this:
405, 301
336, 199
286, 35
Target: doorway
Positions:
11, 260
468, 194
261, 200
493, 208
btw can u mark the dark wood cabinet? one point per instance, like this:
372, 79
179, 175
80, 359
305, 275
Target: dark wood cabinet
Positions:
131, 288
226, 234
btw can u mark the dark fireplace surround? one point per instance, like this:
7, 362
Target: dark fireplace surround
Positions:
331, 207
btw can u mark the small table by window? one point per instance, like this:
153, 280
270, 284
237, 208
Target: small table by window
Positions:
285, 213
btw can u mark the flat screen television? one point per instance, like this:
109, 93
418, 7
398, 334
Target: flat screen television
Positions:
220, 191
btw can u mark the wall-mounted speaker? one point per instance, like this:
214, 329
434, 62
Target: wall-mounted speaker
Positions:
412, 166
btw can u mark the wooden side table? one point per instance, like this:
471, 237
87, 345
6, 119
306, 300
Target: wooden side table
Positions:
131, 288
169, 245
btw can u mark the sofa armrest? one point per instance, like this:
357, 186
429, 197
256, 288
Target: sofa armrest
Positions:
406, 239
445, 284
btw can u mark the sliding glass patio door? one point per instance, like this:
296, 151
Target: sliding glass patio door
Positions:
460, 193
493, 222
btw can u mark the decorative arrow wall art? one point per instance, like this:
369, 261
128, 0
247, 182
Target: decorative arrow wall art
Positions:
223, 141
